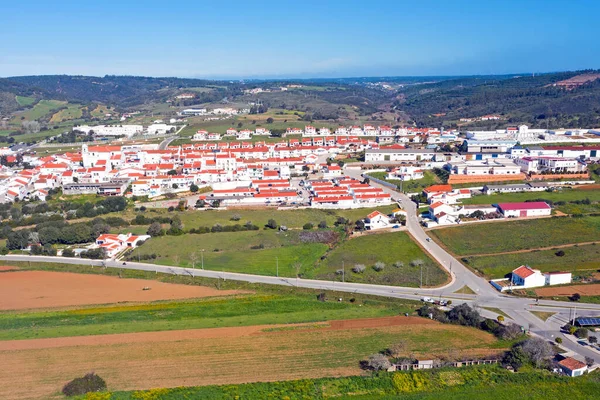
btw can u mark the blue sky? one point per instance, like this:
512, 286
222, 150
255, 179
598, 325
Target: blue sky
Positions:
326, 38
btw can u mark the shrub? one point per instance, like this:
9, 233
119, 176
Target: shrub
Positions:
323, 225
582, 333
500, 318
68, 253
558, 340
359, 268
236, 217
575, 297
398, 264
593, 339
307, 226
560, 253
272, 224
89, 383
379, 266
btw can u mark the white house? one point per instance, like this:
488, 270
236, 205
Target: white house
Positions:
526, 277
525, 209
377, 220
114, 244
573, 367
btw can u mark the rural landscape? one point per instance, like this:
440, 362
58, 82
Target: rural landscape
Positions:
299, 201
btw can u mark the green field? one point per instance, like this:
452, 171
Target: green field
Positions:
559, 195
481, 383
517, 235
232, 251
40, 110
240, 310
409, 186
387, 248
25, 101
289, 218
73, 111
577, 259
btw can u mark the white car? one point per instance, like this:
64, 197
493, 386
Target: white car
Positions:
427, 299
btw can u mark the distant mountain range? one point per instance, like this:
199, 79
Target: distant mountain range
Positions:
536, 100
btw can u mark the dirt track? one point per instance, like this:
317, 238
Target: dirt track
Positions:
40, 289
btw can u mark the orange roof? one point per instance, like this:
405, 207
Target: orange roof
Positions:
523, 271
572, 364
436, 204
374, 214
438, 188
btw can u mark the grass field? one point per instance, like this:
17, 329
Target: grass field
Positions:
100, 111
410, 186
73, 111
388, 248
25, 101
517, 235
482, 383
41, 109
579, 260
232, 251
217, 312
562, 195
289, 218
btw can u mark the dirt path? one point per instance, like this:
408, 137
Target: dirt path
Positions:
208, 333
44, 289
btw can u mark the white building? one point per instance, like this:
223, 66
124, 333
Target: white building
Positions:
376, 155
159, 129
377, 220
525, 209
111, 130
573, 367
526, 277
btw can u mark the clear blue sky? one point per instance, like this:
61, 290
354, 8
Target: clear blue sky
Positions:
324, 38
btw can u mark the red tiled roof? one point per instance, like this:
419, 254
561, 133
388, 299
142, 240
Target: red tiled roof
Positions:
523, 271
571, 363
438, 188
533, 205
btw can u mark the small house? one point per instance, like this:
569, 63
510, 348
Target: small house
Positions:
377, 220
572, 366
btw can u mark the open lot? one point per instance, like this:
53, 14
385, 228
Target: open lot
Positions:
39, 289
252, 252
583, 290
577, 259
559, 195
515, 235
231, 355
387, 248
409, 186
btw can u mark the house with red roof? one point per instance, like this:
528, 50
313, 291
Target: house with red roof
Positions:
377, 220
525, 277
572, 367
114, 244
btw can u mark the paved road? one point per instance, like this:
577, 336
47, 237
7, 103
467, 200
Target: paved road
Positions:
167, 141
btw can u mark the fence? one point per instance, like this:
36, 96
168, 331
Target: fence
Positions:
431, 365
384, 183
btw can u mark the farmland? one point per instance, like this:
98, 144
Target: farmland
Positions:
147, 360
388, 248
73, 111
562, 195
41, 109
577, 259
518, 235
467, 383
25, 101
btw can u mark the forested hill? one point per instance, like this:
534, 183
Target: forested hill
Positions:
120, 90
529, 99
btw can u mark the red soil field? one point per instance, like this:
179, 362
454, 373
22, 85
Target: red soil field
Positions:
584, 290
41, 289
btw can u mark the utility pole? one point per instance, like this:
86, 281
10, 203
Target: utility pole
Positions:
277, 266
202, 257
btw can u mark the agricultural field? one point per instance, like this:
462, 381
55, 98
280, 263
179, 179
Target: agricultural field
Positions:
509, 236
579, 260
388, 248
73, 111
276, 333
25, 101
100, 111
482, 383
46, 151
40, 110
409, 186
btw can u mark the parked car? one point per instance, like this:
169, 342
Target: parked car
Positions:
427, 299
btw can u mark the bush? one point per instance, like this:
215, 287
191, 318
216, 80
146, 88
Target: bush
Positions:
593, 339
582, 333
307, 226
398, 264
500, 318
575, 297
89, 383
235, 217
560, 253
68, 253
272, 224
379, 266
558, 340
322, 225
359, 268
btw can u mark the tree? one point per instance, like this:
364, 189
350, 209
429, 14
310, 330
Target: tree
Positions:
509, 331
80, 386
175, 186
464, 315
236, 217
592, 339
582, 333
516, 358
68, 253
558, 340
307, 226
589, 361
172, 172
575, 297
378, 362
323, 225
155, 229
379, 266
193, 258
537, 350
272, 224
359, 268
194, 188
270, 120
500, 318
